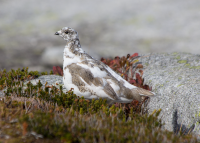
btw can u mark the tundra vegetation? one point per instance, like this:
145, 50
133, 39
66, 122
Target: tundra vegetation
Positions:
43, 113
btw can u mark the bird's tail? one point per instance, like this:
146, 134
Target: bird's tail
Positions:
137, 93
144, 92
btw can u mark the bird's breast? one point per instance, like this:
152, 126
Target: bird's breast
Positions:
69, 58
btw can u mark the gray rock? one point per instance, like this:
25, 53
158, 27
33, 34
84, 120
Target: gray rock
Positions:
54, 80
175, 79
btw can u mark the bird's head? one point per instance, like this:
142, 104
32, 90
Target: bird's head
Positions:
68, 34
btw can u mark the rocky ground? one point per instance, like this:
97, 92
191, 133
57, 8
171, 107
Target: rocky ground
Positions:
175, 80
106, 28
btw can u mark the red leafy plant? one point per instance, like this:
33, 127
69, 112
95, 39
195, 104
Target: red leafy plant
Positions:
57, 70
130, 69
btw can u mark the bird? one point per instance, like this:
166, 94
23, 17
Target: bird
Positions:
91, 78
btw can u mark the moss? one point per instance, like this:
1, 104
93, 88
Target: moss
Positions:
44, 73
175, 53
51, 72
179, 77
179, 85
182, 61
187, 65
178, 57
15, 104
195, 67
131, 21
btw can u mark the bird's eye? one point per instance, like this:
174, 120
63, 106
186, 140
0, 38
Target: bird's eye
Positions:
66, 32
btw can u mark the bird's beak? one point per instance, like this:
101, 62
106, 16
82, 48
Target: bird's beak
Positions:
58, 33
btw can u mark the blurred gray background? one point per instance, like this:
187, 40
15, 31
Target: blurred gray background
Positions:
106, 29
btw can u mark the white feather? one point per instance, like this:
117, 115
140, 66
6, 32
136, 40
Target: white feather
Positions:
95, 70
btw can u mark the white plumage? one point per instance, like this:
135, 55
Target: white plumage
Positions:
91, 78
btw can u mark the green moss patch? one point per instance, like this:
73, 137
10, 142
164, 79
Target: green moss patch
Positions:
182, 61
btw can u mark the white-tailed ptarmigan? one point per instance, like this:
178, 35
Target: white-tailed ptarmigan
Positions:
91, 78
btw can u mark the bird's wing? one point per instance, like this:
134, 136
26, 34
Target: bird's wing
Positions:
96, 73
93, 76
